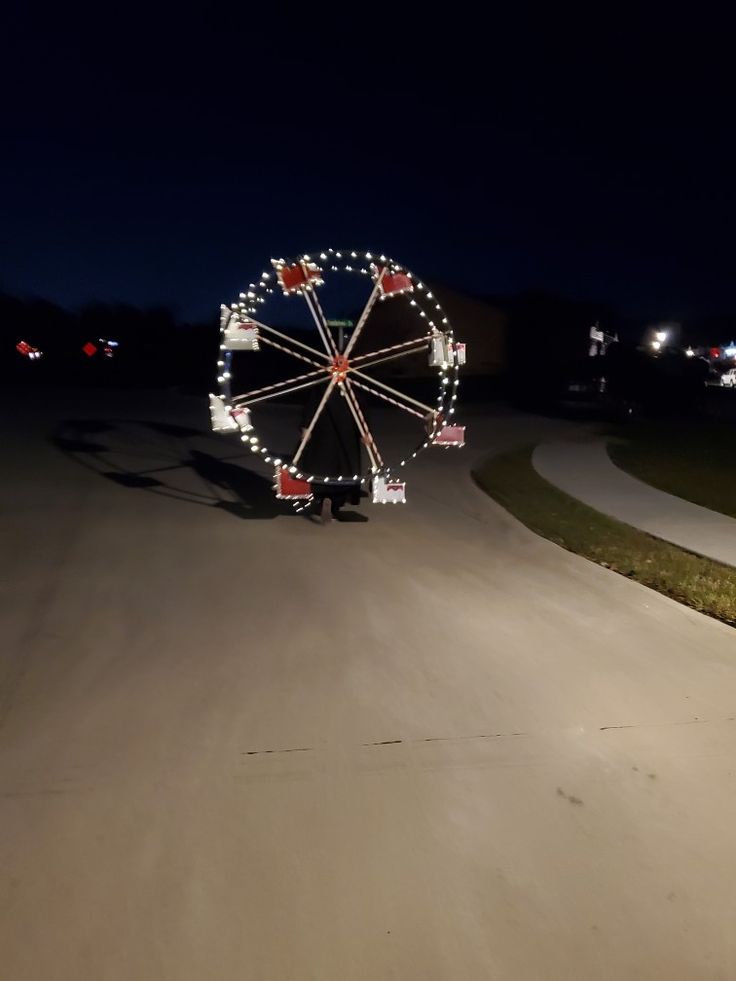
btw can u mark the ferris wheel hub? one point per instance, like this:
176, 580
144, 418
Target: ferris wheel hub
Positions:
340, 367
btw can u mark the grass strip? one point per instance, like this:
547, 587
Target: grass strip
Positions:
690, 460
700, 583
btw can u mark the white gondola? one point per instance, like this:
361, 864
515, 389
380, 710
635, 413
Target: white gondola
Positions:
460, 353
450, 436
440, 351
225, 314
220, 414
241, 335
387, 491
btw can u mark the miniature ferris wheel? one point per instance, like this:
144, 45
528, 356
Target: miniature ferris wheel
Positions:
345, 368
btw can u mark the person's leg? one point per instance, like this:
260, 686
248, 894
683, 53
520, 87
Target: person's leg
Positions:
338, 501
321, 493
326, 510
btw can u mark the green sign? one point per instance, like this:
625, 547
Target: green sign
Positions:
340, 323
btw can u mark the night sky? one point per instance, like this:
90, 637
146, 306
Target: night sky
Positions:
164, 160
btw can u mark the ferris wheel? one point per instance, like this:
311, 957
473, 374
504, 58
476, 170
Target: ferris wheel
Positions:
340, 365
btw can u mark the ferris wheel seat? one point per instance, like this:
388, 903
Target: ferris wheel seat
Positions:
440, 351
241, 336
241, 415
296, 277
222, 420
450, 436
289, 488
392, 284
460, 352
388, 491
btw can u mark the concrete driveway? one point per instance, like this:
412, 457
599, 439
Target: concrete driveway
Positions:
236, 745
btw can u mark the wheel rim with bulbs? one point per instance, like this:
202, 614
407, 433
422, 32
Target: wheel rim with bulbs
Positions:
338, 366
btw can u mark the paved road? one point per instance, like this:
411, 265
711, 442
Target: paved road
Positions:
431, 746
584, 469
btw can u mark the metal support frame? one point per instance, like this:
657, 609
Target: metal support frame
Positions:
284, 391
387, 398
367, 436
292, 340
319, 318
375, 292
393, 347
249, 396
294, 354
392, 391
315, 417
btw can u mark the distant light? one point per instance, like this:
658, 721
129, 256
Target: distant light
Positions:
656, 345
689, 353
661, 336
28, 351
730, 352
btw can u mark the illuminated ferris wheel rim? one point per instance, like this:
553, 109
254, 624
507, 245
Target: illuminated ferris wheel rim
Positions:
243, 329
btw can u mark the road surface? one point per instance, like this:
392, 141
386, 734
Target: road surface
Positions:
235, 745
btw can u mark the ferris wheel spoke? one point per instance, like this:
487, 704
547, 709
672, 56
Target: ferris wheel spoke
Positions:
391, 391
318, 316
419, 346
366, 435
417, 342
294, 354
291, 340
392, 401
375, 293
281, 388
308, 431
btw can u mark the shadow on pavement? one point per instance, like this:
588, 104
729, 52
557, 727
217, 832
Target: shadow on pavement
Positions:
255, 496
147, 456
